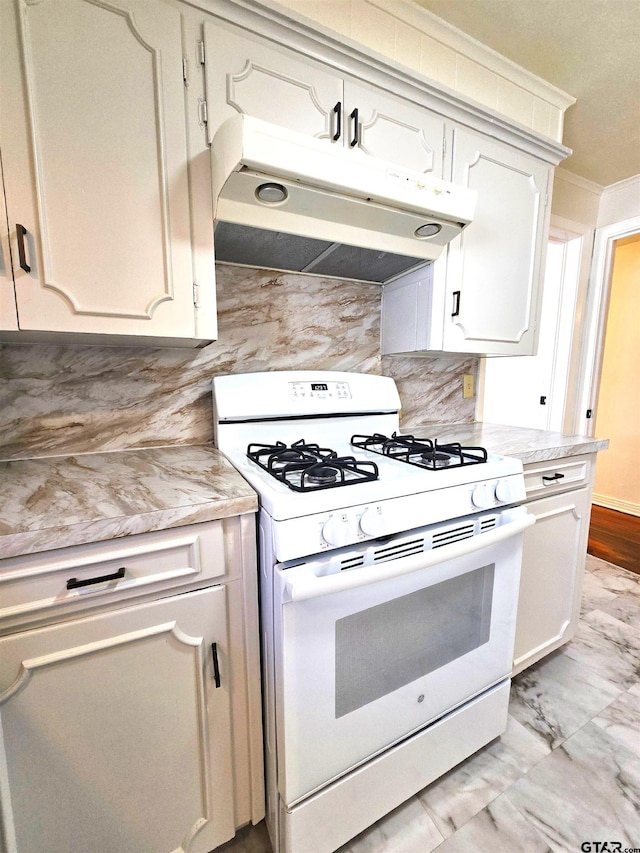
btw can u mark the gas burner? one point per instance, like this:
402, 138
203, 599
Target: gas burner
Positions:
321, 475
422, 452
307, 467
435, 460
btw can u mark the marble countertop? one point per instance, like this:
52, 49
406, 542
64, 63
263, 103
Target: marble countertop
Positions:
54, 502
528, 445
58, 501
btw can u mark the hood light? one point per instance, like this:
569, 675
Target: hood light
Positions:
429, 230
271, 193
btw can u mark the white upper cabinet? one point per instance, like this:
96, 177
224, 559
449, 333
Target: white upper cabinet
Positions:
8, 316
484, 295
393, 129
494, 268
248, 75
95, 159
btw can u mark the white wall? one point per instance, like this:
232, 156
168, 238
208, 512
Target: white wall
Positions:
575, 198
617, 484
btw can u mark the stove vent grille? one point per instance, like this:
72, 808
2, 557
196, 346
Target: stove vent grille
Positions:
453, 534
352, 562
402, 549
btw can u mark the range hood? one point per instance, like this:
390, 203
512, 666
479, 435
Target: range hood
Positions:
287, 201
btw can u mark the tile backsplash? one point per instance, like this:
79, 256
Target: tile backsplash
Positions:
78, 399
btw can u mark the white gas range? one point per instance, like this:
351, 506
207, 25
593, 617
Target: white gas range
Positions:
389, 574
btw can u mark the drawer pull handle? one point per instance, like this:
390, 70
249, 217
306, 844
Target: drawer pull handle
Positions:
553, 478
216, 666
21, 232
338, 113
74, 583
354, 119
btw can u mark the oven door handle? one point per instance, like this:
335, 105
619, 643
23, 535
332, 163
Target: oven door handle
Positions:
306, 584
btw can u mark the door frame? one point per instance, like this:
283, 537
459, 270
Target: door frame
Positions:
595, 320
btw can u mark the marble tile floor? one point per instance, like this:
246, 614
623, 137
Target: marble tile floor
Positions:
566, 771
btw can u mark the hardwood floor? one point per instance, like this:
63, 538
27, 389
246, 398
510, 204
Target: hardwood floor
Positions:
615, 537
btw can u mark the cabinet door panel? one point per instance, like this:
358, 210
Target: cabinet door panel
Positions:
95, 166
8, 316
114, 736
248, 77
552, 565
395, 130
495, 264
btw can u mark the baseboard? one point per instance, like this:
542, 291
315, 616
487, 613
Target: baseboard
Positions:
614, 503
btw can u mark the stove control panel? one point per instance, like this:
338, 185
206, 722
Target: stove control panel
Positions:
319, 390
486, 495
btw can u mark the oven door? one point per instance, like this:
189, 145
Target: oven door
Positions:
366, 657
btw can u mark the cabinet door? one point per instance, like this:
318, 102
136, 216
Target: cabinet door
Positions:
393, 129
552, 566
95, 166
494, 268
8, 316
247, 76
114, 737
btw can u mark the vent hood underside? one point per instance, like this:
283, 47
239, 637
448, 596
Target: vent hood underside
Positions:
345, 214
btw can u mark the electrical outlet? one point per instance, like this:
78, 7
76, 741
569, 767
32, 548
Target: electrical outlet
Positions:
467, 386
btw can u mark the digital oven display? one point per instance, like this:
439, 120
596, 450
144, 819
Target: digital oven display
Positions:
320, 390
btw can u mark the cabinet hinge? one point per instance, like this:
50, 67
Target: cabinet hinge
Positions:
185, 69
201, 53
203, 114
196, 294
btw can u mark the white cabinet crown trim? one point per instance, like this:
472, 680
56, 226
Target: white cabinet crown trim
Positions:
283, 26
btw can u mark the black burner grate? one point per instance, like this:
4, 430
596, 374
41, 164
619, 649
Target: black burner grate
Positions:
422, 452
306, 467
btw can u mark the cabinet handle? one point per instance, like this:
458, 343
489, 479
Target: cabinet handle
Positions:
216, 667
338, 111
553, 478
74, 583
456, 303
20, 232
354, 119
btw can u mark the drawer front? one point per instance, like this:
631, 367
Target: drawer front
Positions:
556, 475
68, 580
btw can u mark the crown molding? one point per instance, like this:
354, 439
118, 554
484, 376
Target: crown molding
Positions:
446, 34
578, 181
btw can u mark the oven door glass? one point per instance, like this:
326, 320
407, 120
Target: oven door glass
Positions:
360, 669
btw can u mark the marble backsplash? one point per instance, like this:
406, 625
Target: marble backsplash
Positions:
83, 399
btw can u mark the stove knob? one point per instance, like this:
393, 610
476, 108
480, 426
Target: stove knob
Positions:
336, 530
371, 522
482, 496
503, 491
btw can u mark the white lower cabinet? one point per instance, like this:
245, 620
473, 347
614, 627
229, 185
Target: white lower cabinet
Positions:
115, 731
132, 727
553, 557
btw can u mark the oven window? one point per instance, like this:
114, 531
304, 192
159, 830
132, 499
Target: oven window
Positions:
381, 649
